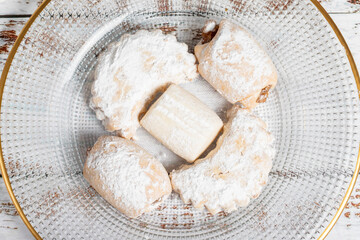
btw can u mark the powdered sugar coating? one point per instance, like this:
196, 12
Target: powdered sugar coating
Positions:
235, 64
209, 26
131, 71
126, 175
234, 172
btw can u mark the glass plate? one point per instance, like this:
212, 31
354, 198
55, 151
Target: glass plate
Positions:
47, 126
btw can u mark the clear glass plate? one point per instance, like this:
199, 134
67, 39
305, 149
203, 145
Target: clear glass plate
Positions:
47, 126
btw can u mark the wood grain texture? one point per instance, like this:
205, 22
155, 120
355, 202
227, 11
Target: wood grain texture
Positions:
348, 226
11, 225
346, 14
341, 6
18, 7
349, 24
9, 30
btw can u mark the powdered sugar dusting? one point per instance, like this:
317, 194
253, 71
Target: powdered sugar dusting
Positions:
167, 157
209, 26
116, 168
234, 63
234, 172
127, 171
131, 71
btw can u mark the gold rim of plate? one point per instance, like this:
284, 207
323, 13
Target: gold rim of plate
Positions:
45, 3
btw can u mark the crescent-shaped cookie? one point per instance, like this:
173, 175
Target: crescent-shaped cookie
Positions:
234, 172
131, 72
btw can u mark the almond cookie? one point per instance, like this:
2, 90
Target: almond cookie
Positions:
234, 172
235, 64
130, 73
126, 176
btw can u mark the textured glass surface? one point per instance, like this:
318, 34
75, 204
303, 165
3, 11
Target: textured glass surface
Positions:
47, 126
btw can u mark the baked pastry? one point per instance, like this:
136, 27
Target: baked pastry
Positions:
234, 172
182, 123
235, 64
126, 176
130, 73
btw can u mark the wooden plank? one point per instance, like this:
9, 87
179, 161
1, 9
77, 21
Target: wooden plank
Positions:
27, 7
348, 226
11, 225
18, 7
349, 24
9, 30
341, 6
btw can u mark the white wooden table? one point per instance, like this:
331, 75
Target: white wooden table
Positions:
13, 15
